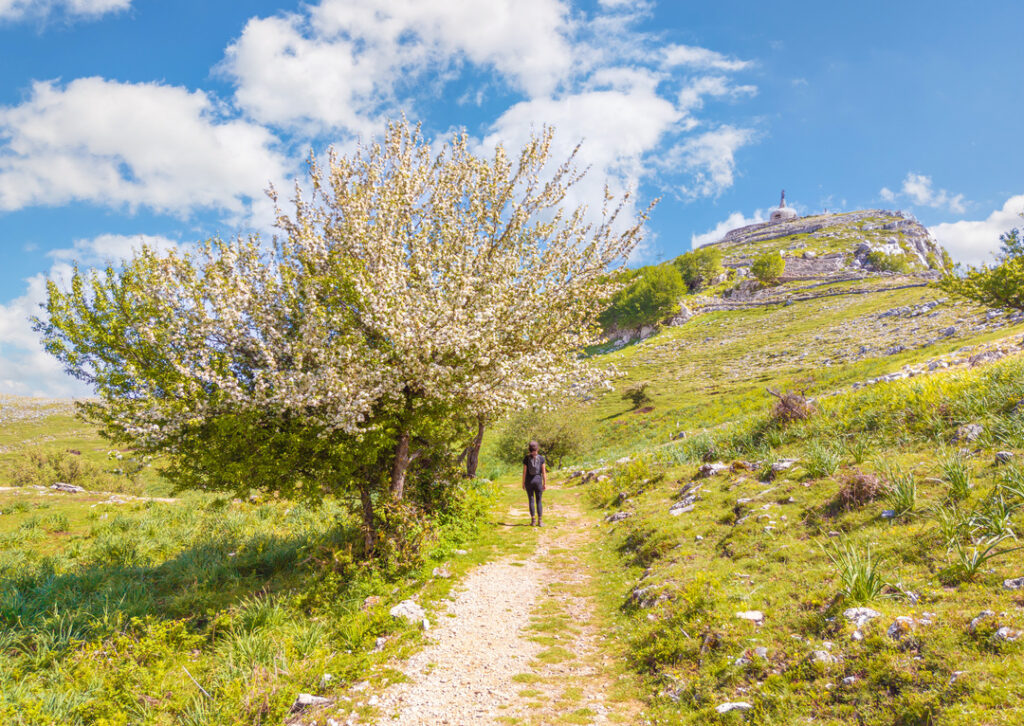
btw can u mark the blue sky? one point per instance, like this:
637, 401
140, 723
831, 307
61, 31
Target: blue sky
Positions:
129, 120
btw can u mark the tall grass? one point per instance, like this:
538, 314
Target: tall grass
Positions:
859, 572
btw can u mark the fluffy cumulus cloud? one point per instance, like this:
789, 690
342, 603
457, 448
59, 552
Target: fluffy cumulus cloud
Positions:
918, 189
25, 368
974, 242
733, 221
710, 160
340, 66
344, 62
21, 9
131, 144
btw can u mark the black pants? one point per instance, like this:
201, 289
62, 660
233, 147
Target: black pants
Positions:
534, 493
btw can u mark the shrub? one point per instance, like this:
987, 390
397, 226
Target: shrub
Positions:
637, 394
699, 267
858, 488
768, 267
790, 407
958, 474
652, 295
884, 262
966, 565
40, 467
859, 572
901, 493
561, 434
822, 460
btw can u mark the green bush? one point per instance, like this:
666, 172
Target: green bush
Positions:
883, 262
652, 295
699, 267
561, 434
638, 394
42, 467
768, 267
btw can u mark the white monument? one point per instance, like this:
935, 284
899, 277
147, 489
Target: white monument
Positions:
782, 213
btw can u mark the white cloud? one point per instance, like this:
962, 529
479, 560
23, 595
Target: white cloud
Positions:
918, 189
734, 220
124, 144
25, 368
691, 97
710, 159
701, 58
346, 61
21, 9
974, 242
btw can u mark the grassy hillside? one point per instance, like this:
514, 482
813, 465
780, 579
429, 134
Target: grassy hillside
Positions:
749, 540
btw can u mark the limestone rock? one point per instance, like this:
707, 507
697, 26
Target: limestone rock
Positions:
1016, 583
903, 625
64, 487
708, 470
754, 616
442, 572
1004, 457
861, 616
308, 700
1007, 635
822, 656
983, 615
618, 516
733, 706
967, 433
407, 610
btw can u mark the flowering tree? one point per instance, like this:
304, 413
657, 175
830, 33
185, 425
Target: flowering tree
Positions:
410, 295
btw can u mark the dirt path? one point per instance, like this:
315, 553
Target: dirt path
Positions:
519, 642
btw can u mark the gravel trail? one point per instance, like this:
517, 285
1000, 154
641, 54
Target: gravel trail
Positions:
518, 644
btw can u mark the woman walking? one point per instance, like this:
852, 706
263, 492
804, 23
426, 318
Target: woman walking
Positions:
535, 481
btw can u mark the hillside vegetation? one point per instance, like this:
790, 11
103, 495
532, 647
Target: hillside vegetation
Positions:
843, 553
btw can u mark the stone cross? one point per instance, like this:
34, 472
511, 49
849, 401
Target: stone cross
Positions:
783, 202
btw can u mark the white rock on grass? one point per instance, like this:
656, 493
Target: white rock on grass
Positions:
754, 616
1016, 583
308, 700
823, 657
903, 625
442, 572
733, 706
1007, 634
973, 627
407, 610
1004, 457
70, 488
679, 508
860, 616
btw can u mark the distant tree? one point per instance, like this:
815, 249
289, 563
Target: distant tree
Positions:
885, 262
651, 295
561, 434
1000, 286
638, 394
411, 296
768, 267
699, 267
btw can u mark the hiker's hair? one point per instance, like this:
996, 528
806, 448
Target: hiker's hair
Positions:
534, 446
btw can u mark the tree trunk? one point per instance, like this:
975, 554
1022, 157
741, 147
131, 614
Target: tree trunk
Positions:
400, 466
369, 521
473, 451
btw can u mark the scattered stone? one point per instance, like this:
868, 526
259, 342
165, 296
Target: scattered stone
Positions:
371, 601
623, 460
461, 552
948, 332
903, 625
849, 680
1007, 635
857, 635
761, 652
861, 616
425, 624
1016, 583
823, 657
741, 661
1004, 457
984, 614
618, 516
698, 538
754, 616
889, 514
714, 469
968, 433
443, 572
679, 508
325, 680
733, 706
308, 700
407, 610
70, 488
378, 645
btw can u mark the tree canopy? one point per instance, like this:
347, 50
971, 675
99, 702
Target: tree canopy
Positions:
999, 286
651, 295
410, 294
